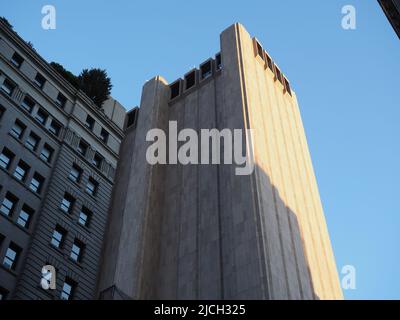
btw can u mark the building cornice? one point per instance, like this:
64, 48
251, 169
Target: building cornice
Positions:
58, 79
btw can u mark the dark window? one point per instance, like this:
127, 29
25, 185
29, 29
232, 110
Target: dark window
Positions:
97, 160
190, 80
25, 216
32, 142
6, 158
2, 111
61, 100
68, 289
8, 87
21, 171
11, 258
67, 203
218, 61
3, 293
17, 60
89, 122
58, 237
132, 115
9, 203
84, 216
41, 116
75, 173
28, 104
206, 70
55, 127
175, 89
77, 250
269, 62
39, 80
36, 183
82, 147
104, 135
278, 74
18, 129
46, 153
287, 86
260, 50
92, 186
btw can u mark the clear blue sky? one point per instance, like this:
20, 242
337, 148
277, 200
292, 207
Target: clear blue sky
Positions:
347, 83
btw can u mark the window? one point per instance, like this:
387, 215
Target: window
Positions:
89, 122
6, 158
8, 87
278, 74
58, 237
11, 258
67, 203
68, 289
25, 216
92, 186
32, 142
77, 250
97, 160
46, 153
21, 171
3, 293
82, 147
269, 62
205, 70
17, 60
28, 104
61, 100
190, 79
84, 216
55, 127
36, 183
18, 129
218, 61
104, 135
2, 111
9, 204
75, 173
175, 89
260, 50
41, 116
287, 86
132, 116
39, 80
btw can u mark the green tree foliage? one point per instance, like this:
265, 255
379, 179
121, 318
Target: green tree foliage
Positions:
68, 75
96, 84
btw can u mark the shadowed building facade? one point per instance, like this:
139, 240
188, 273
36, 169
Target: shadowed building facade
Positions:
199, 231
58, 155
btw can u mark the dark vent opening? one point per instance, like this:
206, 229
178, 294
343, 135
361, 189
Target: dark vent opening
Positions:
218, 61
175, 87
206, 70
190, 79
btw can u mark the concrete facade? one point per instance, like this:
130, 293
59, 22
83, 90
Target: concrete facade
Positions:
200, 231
20, 65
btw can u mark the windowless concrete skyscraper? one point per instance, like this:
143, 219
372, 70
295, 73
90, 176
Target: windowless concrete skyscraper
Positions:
200, 231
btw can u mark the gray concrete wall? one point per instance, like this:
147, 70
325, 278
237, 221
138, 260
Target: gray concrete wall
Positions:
202, 232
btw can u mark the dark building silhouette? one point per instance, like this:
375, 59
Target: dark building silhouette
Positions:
391, 8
